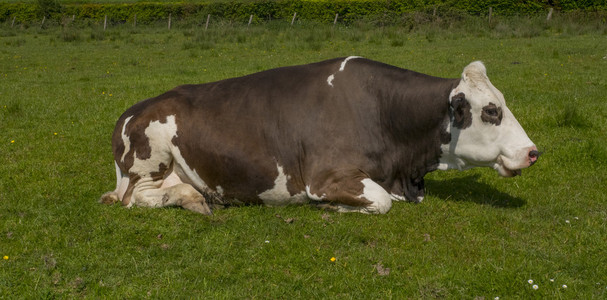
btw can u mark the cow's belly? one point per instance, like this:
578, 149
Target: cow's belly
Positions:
234, 182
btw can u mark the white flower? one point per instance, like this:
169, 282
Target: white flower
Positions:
497, 298
564, 286
567, 221
535, 287
267, 242
530, 281
551, 279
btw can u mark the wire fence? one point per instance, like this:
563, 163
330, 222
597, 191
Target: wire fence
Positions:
206, 21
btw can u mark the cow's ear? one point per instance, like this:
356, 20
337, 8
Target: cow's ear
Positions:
460, 107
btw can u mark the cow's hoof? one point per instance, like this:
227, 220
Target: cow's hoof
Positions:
109, 198
201, 208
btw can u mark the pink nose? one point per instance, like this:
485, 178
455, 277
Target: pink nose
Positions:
533, 155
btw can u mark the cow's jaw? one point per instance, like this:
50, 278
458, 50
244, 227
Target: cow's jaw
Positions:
503, 170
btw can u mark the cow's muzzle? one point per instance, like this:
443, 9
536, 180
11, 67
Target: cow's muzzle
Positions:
533, 156
509, 168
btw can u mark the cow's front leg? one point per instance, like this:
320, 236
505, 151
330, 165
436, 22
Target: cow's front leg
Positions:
411, 190
353, 195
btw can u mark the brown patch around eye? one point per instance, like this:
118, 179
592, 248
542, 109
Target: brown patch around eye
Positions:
492, 114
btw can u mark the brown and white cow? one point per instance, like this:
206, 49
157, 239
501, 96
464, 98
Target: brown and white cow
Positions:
348, 133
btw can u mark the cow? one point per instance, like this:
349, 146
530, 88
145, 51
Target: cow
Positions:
348, 134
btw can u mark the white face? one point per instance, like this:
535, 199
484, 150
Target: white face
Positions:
484, 133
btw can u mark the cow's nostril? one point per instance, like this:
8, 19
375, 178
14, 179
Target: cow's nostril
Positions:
533, 156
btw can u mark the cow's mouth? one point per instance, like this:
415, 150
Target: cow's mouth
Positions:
505, 171
512, 173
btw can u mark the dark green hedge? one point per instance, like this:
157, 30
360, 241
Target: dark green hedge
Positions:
319, 10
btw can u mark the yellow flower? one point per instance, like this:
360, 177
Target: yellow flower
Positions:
55, 133
5, 257
13, 141
333, 259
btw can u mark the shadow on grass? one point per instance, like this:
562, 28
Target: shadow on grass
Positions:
471, 190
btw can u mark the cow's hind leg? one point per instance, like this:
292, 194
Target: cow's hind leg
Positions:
169, 191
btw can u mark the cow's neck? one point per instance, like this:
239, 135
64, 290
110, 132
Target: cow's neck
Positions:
415, 122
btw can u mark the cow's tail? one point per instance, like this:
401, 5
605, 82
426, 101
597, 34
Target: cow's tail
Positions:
116, 195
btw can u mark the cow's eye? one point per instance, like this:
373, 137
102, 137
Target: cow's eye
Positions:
492, 112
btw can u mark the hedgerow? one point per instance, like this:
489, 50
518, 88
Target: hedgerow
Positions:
318, 10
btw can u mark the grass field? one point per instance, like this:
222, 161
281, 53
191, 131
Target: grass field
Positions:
118, 1
475, 234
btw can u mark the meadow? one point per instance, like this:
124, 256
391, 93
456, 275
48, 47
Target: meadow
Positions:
476, 235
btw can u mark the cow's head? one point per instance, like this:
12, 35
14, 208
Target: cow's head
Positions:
484, 133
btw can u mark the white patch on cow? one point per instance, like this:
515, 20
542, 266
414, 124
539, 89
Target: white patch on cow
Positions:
341, 68
125, 139
159, 136
279, 194
314, 196
396, 197
219, 190
118, 175
163, 151
184, 171
330, 79
122, 182
171, 180
343, 63
380, 198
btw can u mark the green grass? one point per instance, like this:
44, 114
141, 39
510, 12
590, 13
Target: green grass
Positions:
475, 235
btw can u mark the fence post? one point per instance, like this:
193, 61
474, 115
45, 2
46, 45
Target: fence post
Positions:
13, 22
105, 23
169, 21
549, 14
293, 20
135, 21
250, 19
43, 19
207, 24
490, 13
335, 21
